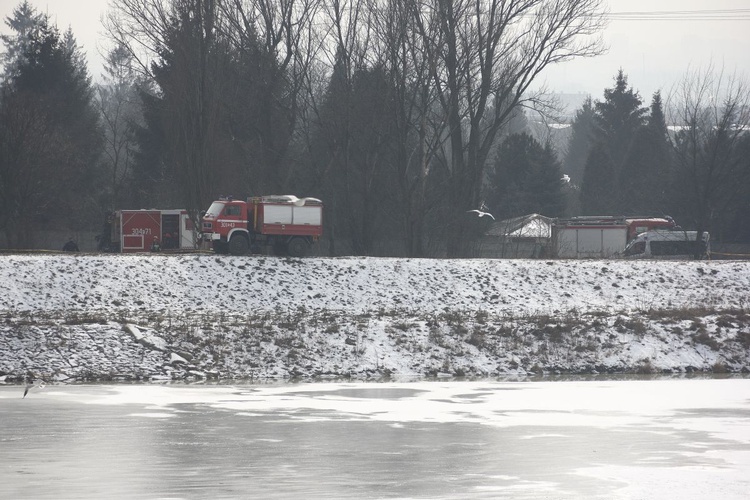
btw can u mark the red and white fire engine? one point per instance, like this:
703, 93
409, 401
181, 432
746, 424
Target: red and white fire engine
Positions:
147, 230
284, 223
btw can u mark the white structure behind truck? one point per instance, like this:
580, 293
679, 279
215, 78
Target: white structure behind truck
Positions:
588, 241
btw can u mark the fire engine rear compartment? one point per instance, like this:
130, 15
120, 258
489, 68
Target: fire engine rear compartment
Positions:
289, 219
138, 230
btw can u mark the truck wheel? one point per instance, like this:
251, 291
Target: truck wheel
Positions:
238, 245
298, 247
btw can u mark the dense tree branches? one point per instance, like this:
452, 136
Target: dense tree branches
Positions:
711, 113
687, 158
388, 108
49, 135
484, 56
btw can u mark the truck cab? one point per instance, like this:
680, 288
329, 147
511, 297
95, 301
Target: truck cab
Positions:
224, 219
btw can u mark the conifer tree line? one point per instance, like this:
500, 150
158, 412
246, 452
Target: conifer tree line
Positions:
628, 161
401, 115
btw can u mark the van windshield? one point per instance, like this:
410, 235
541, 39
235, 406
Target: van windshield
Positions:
635, 248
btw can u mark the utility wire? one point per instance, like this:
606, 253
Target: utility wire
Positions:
683, 15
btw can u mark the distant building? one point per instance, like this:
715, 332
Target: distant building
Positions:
524, 237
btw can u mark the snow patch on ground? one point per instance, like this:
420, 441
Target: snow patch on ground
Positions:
162, 317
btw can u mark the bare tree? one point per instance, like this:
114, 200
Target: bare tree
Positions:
710, 113
120, 112
484, 56
417, 122
141, 28
343, 36
175, 44
284, 31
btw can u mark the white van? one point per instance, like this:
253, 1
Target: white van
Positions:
672, 244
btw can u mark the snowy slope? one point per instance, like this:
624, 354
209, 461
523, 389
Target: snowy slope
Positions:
201, 315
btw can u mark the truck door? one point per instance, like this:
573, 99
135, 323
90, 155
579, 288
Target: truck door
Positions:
232, 217
170, 231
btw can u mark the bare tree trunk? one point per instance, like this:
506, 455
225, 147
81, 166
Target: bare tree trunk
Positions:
484, 57
711, 168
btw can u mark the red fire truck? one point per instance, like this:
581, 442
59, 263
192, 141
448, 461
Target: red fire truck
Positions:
284, 223
145, 230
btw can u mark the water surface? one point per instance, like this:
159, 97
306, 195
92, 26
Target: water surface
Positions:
685, 439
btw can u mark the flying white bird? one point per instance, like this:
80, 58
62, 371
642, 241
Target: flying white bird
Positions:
38, 384
565, 178
482, 214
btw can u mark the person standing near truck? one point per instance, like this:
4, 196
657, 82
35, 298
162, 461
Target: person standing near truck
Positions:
71, 246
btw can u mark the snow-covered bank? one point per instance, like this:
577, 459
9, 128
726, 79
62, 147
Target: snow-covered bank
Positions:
85, 317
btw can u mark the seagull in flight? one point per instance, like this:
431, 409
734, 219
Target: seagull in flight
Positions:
38, 384
481, 213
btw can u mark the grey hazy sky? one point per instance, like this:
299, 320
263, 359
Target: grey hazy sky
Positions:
654, 54
656, 50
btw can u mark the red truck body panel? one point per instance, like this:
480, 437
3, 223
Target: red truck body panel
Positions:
137, 230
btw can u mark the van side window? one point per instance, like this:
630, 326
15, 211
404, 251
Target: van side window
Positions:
675, 247
663, 248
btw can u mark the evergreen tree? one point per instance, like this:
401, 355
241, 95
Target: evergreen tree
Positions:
618, 119
656, 120
526, 178
372, 134
661, 157
23, 24
579, 145
51, 140
598, 184
355, 148
261, 116
150, 178
735, 227
712, 170
644, 181
218, 118
189, 82
330, 147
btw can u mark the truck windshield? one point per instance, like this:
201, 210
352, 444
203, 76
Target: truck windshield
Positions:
215, 209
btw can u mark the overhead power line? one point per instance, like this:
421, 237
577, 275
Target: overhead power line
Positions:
683, 15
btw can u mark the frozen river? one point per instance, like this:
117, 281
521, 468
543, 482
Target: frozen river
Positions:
656, 439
